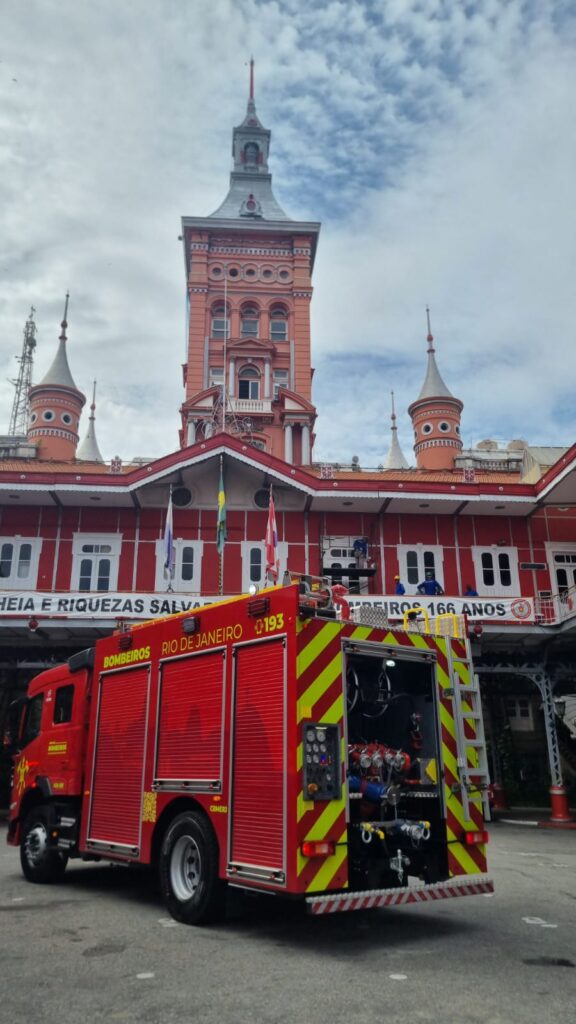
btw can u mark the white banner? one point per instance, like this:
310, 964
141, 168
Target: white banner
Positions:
149, 606
485, 609
99, 606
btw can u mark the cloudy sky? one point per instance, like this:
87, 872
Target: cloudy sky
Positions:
434, 139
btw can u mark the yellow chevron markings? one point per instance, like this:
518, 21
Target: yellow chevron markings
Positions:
463, 672
324, 876
323, 824
460, 853
335, 712
448, 721
321, 683
315, 647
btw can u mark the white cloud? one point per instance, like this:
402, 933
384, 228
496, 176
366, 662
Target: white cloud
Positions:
435, 141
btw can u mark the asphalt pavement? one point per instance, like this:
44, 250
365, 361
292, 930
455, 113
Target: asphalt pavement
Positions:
99, 947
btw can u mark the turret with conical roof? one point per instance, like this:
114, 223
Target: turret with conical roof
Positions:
56, 405
435, 417
395, 458
89, 450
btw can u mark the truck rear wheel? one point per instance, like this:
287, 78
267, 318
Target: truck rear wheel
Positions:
40, 861
189, 881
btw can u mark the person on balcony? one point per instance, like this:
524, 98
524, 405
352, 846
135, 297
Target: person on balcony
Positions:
399, 587
470, 592
430, 585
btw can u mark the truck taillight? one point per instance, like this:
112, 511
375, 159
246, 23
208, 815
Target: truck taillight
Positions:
473, 838
318, 849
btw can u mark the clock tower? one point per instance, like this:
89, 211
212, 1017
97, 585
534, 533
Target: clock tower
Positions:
249, 280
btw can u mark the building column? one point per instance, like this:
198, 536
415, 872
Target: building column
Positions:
266, 378
288, 442
305, 444
191, 432
231, 376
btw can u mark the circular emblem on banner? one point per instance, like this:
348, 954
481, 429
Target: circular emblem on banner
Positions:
520, 609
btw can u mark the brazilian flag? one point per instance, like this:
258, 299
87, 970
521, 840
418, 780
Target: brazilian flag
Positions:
221, 522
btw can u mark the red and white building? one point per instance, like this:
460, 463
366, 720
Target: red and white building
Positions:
81, 540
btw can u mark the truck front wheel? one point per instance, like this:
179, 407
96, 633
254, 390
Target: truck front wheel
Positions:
40, 861
189, 881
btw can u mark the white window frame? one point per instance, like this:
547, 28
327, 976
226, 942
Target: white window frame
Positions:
216, 377
14, 581
497, 589
438, 552
114, 540
554, 548
246, 547
182, 586
519, 722
279, 381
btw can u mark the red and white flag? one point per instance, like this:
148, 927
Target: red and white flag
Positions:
272, 561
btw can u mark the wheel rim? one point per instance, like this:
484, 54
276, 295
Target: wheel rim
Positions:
36, 844
185, 868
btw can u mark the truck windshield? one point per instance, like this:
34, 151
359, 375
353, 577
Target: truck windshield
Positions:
33, 719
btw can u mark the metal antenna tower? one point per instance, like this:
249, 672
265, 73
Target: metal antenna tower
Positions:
19, 418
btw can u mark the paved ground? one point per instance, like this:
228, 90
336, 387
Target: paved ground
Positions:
100, 948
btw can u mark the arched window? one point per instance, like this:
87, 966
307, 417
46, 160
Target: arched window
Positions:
248, 383
249, 321
278, 323
220, 322
251, 154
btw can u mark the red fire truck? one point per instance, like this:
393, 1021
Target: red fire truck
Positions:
265, 743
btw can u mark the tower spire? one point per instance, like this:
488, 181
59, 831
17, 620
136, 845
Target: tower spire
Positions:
430, 337
89, 450
250, 194
395, 458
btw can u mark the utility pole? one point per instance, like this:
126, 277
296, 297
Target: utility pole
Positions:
19, 418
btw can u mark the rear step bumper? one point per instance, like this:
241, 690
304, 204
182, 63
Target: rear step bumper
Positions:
463, 885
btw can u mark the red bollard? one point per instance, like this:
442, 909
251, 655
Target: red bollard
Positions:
560, 808
560, 817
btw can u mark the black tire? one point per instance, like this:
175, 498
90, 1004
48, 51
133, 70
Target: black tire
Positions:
188, 865
40, 862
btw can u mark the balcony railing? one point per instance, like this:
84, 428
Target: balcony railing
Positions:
246, 406
556, 608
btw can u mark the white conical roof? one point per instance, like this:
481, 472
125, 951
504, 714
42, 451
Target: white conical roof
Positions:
433, 386
59, 373
395, 458
88, 450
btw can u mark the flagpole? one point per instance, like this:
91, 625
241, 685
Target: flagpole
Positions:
225, 346
221, 528
169, 544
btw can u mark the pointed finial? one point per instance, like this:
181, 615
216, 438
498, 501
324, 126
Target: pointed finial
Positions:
64, 323
251, 96
393, 417
430, 337
93, 406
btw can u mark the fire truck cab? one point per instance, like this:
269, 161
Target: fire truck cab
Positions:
264, 743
